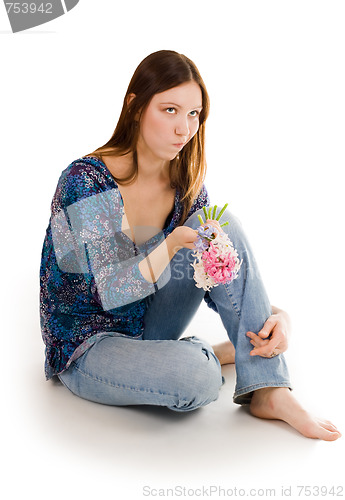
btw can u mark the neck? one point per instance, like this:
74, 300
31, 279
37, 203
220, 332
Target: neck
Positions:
149, 172
150, 168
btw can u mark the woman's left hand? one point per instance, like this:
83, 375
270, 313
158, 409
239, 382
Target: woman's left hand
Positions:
273, 338
213, 223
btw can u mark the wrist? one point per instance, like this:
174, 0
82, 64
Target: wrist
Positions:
286, 318
172, 244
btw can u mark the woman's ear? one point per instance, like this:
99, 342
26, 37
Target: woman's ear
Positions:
130, 98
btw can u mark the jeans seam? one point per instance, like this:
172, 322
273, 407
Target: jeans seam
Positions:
261, 385
232, 302
122, 386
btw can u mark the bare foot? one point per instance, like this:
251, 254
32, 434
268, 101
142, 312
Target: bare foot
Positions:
225, 352
278, 403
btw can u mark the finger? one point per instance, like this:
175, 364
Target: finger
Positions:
266, 330
264, 333
254, 336
214, 223
267, 350
277, 336
259, 343
263, 354
255, 345
265, 347
256, 340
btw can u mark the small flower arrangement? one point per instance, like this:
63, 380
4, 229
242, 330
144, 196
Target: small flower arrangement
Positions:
217, 260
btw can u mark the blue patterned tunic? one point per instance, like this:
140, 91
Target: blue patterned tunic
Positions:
90, 281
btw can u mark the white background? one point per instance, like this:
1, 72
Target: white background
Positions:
275, 146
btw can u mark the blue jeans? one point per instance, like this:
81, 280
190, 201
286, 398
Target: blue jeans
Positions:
160, 369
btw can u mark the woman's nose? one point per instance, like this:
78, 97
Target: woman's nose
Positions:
182, 127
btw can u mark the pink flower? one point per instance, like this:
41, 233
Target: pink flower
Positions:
217, 260
218, 266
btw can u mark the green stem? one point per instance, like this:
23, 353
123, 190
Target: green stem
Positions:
214, 211
222, 211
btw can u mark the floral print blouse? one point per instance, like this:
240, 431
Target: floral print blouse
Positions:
90, 281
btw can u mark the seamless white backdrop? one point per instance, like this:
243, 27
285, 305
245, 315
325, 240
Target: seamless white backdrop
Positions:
275, 146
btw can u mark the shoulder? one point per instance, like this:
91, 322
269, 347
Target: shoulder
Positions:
87, 169
202, 198
84, 177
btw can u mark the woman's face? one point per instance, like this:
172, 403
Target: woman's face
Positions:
170, 120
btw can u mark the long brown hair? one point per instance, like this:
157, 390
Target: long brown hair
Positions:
158, 72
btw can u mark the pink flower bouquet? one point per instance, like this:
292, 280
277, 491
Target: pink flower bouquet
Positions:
217, 260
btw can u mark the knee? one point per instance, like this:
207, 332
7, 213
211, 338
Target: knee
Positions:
234, 226
200, 382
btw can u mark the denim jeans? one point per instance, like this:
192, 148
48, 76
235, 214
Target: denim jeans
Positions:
183, 374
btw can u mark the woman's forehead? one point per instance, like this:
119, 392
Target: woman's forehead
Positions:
188, 93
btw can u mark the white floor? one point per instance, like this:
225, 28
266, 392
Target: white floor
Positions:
57, 444
275, 153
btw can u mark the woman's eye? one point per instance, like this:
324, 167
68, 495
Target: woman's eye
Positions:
173, 110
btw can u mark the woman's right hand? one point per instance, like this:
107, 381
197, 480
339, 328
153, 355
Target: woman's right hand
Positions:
184, 237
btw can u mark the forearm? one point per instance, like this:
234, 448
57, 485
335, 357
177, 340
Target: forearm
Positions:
154, 264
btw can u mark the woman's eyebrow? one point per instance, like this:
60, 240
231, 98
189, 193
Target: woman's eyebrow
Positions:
178, 106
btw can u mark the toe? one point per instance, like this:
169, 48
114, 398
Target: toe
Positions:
328, 425
329, 433
331, 427
326, 421
320, 430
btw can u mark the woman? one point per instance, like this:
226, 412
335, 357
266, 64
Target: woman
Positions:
116, 285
